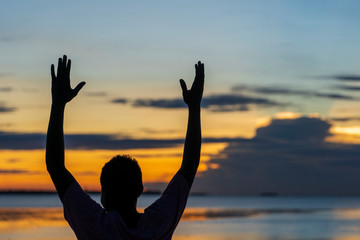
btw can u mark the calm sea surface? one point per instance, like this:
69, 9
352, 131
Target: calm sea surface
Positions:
206, 217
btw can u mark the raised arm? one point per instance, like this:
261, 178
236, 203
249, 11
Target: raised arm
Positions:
61, 94
192, 98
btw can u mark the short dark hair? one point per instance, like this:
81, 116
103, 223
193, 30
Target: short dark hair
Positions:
122, 176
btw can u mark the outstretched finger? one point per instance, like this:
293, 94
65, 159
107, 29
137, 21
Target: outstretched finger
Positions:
64, 61
59, 66
183, 85
202, 69
68, 67
78, 87
52, 72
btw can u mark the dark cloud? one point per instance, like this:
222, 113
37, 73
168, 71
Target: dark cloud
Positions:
5, 89
98, 141
346, 78
215, 103
18, 141
5, 109
13, 160
236, 102
289, 157
17, 171
292, 92
300, 129
348, 88
22, 141
119, 100
345, 119
29, 141
156, 131
160, 103
86, 173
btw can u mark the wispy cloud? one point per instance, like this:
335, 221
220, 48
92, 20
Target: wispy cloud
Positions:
6, 89
340, 77
237, 102
344, 119
291, 92
348, 88
29, 141
160, 103
86, 173
13, 38
346, 77
153, 131
6, 109
215, 103
13, 160
17, 171
119, 100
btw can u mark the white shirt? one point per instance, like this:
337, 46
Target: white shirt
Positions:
90, 221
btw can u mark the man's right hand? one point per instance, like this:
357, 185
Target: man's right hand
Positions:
193, 96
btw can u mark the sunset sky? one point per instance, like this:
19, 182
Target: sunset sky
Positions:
281, 107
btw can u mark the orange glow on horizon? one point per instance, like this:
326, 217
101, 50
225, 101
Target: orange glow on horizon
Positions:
346, 135
26, 170
350, 130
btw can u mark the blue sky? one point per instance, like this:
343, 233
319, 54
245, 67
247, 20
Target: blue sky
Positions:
247, 41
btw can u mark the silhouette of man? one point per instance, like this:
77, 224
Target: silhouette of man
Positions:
121, 179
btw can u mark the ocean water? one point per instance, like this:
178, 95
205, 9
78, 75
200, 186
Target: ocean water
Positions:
206, 217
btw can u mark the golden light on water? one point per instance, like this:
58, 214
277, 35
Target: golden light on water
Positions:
20, 218
348, 237
353, 214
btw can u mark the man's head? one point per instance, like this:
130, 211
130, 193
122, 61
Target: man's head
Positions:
121, 181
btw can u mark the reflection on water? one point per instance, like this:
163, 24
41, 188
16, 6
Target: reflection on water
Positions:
351, 214
206, 217
19, 218
16, 218
204, 223
206, 214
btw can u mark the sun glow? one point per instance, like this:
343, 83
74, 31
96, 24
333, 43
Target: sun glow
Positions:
346, 135
287, 115
350, 130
